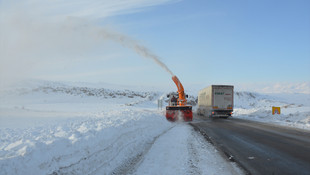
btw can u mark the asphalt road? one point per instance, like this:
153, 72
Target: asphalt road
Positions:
257, 147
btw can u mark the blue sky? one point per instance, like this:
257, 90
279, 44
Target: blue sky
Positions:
220, 41
203, 42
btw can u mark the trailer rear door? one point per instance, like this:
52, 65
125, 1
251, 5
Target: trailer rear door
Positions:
223, 97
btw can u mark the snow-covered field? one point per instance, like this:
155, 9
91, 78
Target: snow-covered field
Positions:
295, 108
59, 128
52, 128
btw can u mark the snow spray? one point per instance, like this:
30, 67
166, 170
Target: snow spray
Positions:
138, 48
44, 42
180, 116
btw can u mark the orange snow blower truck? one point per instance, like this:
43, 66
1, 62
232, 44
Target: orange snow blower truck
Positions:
178, 108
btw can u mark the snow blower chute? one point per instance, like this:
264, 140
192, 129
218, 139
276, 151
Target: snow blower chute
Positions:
178, 108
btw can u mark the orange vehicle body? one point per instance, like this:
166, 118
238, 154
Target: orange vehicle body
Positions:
180, 110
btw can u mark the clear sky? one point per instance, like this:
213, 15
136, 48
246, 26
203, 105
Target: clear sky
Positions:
203, 42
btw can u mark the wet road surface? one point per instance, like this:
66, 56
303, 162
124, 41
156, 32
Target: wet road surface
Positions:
259, 148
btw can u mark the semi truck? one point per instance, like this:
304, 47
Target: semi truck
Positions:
216, 101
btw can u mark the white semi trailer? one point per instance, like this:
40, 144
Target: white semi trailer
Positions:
216, 101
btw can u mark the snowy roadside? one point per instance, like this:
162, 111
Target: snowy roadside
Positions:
72, 130
60, 129
79, 145
295, 108
120, 142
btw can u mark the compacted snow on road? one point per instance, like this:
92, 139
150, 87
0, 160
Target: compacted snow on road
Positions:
183, 151
61, 129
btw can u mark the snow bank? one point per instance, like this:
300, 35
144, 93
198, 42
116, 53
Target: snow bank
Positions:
79, 145
59, 129
295, 108
181, 150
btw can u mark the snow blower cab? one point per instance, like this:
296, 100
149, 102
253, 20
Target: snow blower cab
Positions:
178, 108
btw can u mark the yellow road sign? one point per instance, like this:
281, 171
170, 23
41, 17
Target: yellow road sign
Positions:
276, 110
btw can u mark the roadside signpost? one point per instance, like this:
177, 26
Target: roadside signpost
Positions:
276, 110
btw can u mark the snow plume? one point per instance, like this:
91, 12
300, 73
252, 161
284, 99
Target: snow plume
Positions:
38, 35
132, 44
